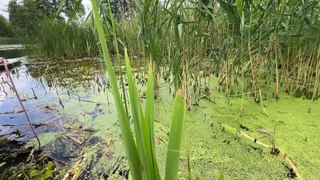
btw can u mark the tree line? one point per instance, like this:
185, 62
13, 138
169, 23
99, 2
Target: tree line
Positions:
25, 16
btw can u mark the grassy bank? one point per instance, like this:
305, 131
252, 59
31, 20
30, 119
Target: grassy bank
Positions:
9, 40
57, 40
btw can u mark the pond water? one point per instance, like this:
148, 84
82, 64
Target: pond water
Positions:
43, 88
71, 107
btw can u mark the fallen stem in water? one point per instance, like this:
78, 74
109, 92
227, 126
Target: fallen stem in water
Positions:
19, 99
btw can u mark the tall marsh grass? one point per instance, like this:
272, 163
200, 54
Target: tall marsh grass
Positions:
140, 147
252, 43
276, 41
55, 40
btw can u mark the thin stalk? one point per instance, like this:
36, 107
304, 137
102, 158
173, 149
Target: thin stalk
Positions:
315, 91
21, 104
115, 42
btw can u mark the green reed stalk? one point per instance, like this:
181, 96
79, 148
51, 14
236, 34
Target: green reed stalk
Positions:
131, 149
141, 150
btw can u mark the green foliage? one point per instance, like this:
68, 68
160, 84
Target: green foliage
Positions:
119, 8
31, 170
143, 126
174, 146
5, 29
141, 153
55, 41
25, 16
68, 7
232, 38
131, 150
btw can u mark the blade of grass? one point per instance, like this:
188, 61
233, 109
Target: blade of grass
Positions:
142, 131
173, 152
149, 116
130, 146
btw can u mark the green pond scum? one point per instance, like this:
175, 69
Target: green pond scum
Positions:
79, 132
211, 147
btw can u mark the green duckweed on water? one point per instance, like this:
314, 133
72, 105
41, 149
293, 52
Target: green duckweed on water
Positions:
81, 135
211, 147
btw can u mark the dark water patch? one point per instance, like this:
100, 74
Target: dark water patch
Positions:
12, 153
94, 140
97, 111
18, 162
63, 150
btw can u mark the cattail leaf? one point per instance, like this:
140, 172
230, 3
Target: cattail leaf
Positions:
173, 152
129, 143
141, 126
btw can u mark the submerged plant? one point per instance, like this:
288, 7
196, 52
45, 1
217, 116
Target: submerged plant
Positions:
141, 149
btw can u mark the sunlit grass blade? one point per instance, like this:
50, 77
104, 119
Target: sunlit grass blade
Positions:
142, 131
173, 152
129, 143
73, 12
221, 177
149, 116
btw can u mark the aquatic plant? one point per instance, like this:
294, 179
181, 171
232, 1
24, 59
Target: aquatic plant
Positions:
141, 151
57, 40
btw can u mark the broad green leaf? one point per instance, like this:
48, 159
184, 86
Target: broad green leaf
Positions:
221, 177
175, 137
149, 115
141, 127
129, 143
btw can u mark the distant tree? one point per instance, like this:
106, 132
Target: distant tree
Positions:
25, 16
50, 7
5, 29
119, 8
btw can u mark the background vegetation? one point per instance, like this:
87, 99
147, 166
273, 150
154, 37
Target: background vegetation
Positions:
245, 44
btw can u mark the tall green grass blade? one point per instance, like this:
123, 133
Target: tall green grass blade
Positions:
130, 146
239, 7
62, 2
149, 115
149, 109
221, 177
73, 12
142, 131
173, 152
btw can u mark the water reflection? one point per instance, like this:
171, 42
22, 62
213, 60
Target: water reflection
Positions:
72, 76
44, 88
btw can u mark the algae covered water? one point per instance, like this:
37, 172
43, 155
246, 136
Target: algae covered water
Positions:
72, 109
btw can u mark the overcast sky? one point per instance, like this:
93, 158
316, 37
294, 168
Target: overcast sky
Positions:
4, 7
